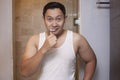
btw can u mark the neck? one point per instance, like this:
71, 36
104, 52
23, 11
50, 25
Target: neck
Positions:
61, 33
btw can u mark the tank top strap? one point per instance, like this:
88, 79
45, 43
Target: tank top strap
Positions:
41, 39
69, 37
69, 41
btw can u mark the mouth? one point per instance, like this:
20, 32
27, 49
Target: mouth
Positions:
52, 30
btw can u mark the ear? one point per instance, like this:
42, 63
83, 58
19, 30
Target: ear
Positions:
65, 18
43, 17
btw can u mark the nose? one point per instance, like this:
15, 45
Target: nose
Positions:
54, 23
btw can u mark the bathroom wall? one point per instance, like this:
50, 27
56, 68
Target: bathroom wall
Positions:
6, 55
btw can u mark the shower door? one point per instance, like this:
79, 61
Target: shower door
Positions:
28, 21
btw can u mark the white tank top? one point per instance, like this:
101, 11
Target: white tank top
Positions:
58, 63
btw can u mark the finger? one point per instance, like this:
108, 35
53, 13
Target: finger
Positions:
51, 33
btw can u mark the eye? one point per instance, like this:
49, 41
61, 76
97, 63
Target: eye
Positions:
49, 19
59, 19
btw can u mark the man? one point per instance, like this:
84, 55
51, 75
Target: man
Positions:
54, 51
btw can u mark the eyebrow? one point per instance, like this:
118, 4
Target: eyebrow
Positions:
57, 16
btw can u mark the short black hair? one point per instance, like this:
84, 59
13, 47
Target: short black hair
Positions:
53, 5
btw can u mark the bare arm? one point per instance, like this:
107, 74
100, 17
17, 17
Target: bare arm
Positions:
32, 57
88, 55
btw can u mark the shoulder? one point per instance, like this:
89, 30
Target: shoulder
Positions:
79, 38
34, 37
33, 40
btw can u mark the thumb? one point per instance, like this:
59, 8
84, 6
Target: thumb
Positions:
51, 33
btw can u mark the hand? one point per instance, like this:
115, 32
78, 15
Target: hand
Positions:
50, 41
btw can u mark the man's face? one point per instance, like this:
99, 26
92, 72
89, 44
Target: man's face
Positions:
54, 20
